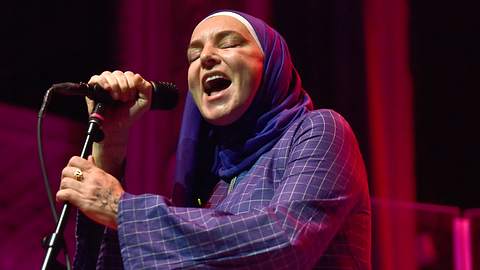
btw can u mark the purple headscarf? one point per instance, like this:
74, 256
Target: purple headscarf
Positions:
207, 153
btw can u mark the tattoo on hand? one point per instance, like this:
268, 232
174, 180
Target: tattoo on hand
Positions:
107, 199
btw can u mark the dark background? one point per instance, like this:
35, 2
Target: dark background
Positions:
445, 61
50, 42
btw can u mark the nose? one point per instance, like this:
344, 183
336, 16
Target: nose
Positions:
209, 57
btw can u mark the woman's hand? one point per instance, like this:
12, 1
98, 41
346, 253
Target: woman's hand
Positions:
92, 190
133, 95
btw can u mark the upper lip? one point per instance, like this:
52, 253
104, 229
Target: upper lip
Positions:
213, 73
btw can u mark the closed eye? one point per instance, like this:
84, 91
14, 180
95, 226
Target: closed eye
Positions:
193, 54
230, 39
227, 46
223, 40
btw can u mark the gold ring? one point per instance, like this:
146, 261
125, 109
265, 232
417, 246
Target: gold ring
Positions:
78, 174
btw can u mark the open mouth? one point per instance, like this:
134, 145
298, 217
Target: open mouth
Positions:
215, 83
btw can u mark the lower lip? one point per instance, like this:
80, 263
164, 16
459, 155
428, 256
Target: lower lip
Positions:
216, 95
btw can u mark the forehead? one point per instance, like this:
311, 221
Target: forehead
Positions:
215, 24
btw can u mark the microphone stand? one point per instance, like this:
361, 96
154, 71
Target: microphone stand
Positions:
56, 241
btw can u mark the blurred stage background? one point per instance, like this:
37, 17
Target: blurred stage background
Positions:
403, 73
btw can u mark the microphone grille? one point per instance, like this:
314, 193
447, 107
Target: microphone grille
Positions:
164, 96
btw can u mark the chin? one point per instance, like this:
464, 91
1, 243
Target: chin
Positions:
220, 119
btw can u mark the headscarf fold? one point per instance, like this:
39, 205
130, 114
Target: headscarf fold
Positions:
207, 153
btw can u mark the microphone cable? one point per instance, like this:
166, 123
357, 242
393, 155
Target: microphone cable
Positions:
46, 182
164, 97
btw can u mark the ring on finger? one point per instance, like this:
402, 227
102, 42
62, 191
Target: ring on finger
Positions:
78, 174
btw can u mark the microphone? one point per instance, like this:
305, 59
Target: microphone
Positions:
164, 94
164, 97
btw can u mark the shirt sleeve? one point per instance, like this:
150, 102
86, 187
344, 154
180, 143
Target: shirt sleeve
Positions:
324, 174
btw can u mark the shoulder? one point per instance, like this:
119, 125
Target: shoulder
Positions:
320, 132
327, 118
323, 124
324, 140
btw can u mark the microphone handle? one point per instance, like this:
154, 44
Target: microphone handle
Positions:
164, 94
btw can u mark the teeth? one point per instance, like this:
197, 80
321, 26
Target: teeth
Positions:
214, 77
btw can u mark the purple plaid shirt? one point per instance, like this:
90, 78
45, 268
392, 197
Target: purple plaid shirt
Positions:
304, 204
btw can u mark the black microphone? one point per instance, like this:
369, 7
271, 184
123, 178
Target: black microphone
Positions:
164, 94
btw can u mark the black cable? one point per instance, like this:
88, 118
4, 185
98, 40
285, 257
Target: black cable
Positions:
46, 182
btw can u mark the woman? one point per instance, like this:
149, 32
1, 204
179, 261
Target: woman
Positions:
283, 186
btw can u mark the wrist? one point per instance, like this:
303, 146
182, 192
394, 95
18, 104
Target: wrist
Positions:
113, 205
115, 138
110, 157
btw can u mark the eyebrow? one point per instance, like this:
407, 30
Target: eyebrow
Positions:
217, 36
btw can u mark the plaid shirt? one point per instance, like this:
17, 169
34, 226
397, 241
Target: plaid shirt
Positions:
304, 204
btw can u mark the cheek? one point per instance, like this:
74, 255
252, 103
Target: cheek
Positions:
193, 85
191, 78
257, 76
254, 73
